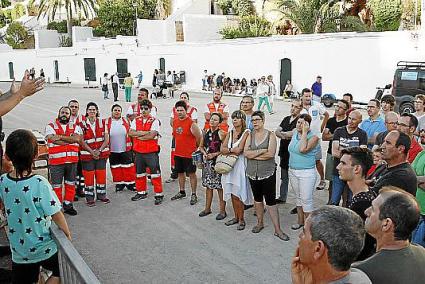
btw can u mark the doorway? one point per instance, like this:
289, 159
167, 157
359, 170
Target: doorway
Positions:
90, 69
56, 67
11, 71
162, 64
122, 67
285, 73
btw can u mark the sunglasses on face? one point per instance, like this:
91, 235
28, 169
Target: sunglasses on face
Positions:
144, 108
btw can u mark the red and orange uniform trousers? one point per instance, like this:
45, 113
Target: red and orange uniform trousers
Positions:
63, 163
94, 168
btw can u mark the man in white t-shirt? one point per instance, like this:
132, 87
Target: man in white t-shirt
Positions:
316, 111
134, 110
63, 147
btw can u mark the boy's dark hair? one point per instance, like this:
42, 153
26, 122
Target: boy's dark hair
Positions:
22, 149
306, 117
359, 157
181, 104
348, 95
147, 103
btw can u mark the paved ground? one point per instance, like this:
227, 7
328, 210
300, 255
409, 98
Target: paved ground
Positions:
135, 242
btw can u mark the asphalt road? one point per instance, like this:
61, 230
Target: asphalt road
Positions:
137, 242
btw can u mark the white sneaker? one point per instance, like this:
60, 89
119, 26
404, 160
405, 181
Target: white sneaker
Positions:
321, 185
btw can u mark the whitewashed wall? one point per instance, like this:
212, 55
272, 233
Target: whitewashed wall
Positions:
46, 39
348, 62
200, 28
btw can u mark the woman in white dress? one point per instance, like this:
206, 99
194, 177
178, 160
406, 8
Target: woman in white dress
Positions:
235, 183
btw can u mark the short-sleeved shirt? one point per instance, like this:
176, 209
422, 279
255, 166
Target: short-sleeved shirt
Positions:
315, 111
153, 112
395, 266
418, 166
128, 82
50, 131
298, 160
29, 204
345, 139
286, 125
401, 176
193, 115
332, 124
207, 110
118, 136
373, 127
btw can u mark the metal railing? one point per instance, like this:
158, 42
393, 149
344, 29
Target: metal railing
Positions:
73, 269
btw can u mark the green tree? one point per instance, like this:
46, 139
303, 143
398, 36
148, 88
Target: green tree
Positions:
163, 9
51, 7
238, 7
4, 3
249, 26
16, 35
386, 14
117, 17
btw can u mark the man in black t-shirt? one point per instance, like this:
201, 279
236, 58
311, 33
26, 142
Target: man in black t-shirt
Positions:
339, 120
284, 132
344, 137
399, 173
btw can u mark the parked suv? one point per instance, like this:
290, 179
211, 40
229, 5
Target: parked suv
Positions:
409, 80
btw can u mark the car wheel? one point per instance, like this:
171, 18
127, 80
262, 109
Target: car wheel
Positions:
407, 107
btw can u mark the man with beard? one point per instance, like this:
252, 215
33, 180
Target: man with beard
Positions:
134, 110
76, 119
63, 145
217, 106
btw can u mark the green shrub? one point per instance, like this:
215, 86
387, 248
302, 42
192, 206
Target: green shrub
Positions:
16, 35
61, 26
386, 14
250, 26
239, 7
65, 41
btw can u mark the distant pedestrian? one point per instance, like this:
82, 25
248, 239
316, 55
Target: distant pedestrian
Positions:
139, 79
154, 77
115, 82
42, 73
263, 92
105, 86
204, 80
316, 88
128, 84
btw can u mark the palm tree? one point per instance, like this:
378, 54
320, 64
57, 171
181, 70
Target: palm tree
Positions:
51, 7
163, 9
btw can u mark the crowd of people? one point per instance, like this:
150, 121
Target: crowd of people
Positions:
376, 165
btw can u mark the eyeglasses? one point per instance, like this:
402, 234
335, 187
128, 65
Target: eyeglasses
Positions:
256, 119
340, 107
402, 124
418, 102
144, 108
391, 122
91, 109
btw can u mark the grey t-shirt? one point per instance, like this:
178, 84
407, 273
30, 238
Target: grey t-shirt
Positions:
395, 266
356, 276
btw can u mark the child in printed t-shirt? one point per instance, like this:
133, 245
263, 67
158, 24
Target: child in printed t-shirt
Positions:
30, 205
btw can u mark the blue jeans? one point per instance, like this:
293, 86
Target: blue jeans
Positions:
338, 189
418, 235
265, 100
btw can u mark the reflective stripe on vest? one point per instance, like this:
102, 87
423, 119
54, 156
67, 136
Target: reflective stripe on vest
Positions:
223, 124
62, 154
94, 139
145, 146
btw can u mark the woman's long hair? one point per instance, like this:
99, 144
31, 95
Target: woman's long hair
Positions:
240, 114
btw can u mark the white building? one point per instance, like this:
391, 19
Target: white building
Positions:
348, 62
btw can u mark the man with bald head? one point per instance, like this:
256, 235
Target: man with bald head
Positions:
391, 120
393, 216
346, 136
398, 172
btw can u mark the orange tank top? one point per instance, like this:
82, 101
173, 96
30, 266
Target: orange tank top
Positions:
185, 140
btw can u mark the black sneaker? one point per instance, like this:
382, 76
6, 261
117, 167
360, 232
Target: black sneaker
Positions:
179, 195
139, 196
193, 199
80, 193
131, 187
75, 198
246, 207
119, 187
69, 209
159, 199
294, 211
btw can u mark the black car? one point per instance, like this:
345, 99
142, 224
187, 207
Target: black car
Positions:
409, 81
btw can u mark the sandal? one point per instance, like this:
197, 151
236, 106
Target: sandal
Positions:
221, 216
231, 222
241, 226
257, 229
296, 226
204, 213
282, 236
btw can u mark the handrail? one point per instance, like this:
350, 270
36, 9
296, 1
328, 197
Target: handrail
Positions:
73, 268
